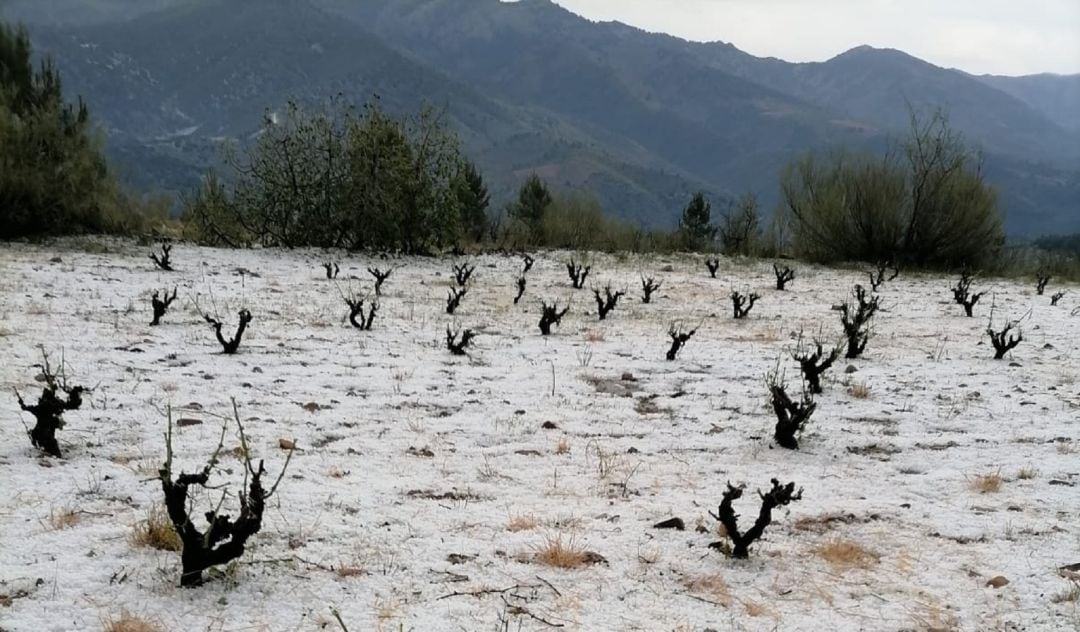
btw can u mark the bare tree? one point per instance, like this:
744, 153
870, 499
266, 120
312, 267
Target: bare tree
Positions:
49, 410
648, 286
742, 304
778, 496
463, 272
1003, 340
813, 362
791, 416
679, 338
855, 318
577, 274
880, 274
453, 298
520, 289
962, 293
783, 276
162, 261
230, 346
380, 278
456, 346
606, 303
224, 539
550, 315
1041, 279
161, 306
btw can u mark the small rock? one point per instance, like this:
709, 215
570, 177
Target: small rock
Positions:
671, 523
549, 425
1016, 364
592, 557
851, 368
628, 377
257, 370
311, 407
459, 558
633, 450
188, 421
56, 260
998, 582
287, 444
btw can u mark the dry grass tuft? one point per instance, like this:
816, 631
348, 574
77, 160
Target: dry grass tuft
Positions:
859, 391
349, 571
711, 586
128, 622
987, 483
594, 335
156, 532
563, 446
65, 518
755, 608
563, 553
1027, 473
522, 522
844, 554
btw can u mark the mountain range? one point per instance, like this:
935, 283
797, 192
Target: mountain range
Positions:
640, 119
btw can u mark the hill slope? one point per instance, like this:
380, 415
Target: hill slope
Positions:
641, 119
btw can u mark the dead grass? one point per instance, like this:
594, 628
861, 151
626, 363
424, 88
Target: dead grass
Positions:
712, 587
65, 518
755, 608
859, 391
563, 447
128, 622
594, 335
987, 483
560, 552
156, 532
844, 554
522, 522
1027, 473
345, 571
1067, 596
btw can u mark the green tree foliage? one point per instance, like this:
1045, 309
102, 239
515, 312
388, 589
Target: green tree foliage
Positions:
925, 204
342, 179
695, 229
472, 195
53, 176
533, 201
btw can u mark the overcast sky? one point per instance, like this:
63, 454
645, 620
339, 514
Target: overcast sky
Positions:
1007, 37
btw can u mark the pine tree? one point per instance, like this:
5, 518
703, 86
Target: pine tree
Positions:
473, 198
694, 226
534, 198
53, 175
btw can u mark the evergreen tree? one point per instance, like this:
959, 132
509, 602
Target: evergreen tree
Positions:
53, 176
694, 226
533, 201
473, 200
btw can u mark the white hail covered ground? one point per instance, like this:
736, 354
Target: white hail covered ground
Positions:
412, 464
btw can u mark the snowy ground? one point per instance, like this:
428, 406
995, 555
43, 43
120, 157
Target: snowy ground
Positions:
421, 476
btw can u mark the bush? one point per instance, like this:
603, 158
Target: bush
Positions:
924, 205
336, 178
